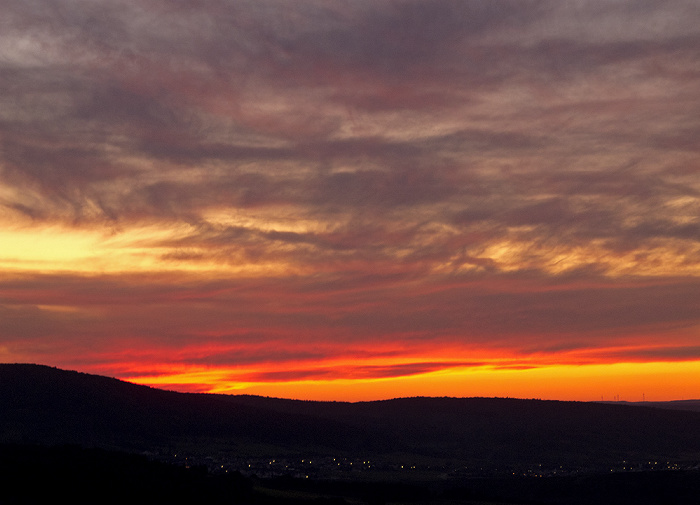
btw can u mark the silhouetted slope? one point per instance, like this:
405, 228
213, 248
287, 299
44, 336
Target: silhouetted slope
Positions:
693, 405
49, 406
40, 404
502, 429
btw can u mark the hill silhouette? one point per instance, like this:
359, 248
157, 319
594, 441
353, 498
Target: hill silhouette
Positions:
49, 406
672, 405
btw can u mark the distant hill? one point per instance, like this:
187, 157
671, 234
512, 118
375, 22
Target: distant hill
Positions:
693, 405
49, 406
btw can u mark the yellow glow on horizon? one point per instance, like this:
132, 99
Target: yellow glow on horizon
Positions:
200, 379
655, 381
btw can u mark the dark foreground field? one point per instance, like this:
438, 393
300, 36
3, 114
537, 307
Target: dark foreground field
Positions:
34, 474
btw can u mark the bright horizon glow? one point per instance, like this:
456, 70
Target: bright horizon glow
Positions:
599, 382
629, 381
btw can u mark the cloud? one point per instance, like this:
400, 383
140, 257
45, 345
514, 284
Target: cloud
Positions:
356, 372
519, 315
658, 353
517, 174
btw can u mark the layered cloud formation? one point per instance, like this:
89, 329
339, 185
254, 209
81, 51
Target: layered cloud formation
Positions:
213, 194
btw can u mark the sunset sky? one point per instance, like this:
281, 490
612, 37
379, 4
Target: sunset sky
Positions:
354, 200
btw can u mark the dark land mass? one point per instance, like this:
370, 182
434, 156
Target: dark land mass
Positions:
693, 405
37, 475
265, 450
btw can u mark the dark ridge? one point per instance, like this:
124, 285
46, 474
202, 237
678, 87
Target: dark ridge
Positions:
40, 404
43, 405
693, 405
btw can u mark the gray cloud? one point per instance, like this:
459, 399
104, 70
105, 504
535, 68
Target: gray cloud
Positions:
510, 312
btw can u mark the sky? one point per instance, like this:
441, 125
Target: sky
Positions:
354, 200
